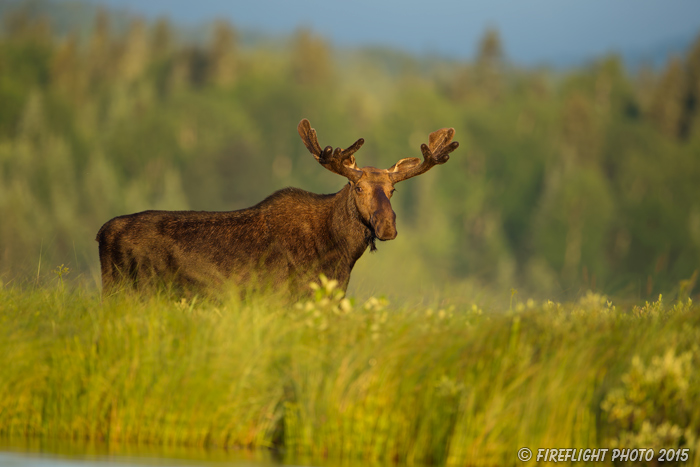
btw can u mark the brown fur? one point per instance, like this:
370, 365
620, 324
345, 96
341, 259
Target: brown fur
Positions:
286, 241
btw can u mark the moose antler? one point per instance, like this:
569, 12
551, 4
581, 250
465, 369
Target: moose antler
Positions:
437, 152
340, 161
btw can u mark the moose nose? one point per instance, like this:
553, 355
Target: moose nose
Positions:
384, 226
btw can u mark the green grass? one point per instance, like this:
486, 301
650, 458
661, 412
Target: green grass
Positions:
360, 381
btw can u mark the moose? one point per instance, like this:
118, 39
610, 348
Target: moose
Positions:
284, 242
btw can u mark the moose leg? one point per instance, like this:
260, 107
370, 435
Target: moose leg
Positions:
108, 272
111, 265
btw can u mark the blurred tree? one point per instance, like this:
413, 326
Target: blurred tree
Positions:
614, 94
489, 63
581, 139
311, 60
32, 123
101, 61
17, 23
222, 54
690, 124
490, 52
66, 73
26, 25
190, 67
24, 64
162, 46
162, 39
667, 106
461, 84
644, 85
135, 54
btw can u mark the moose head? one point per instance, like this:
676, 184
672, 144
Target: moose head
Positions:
371, 188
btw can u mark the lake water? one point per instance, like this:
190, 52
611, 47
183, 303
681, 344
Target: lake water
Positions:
61, 453
43, 453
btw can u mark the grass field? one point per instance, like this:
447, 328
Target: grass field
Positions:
356, 381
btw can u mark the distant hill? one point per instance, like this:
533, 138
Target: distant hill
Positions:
659, 54
74, 15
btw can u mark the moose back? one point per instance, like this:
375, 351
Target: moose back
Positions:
285, 241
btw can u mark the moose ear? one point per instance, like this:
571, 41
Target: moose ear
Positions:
350, 163
404, 164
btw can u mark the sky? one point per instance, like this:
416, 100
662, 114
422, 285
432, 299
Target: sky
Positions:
532, 31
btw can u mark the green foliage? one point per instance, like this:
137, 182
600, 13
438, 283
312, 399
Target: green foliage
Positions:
656, 405
564, 181
339, 378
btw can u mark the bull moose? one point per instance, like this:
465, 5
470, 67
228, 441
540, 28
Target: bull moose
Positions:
287, 240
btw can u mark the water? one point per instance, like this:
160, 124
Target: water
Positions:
43, 453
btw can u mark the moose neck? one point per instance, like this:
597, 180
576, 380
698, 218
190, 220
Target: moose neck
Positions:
347, 227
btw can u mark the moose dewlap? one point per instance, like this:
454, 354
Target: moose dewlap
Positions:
287, 240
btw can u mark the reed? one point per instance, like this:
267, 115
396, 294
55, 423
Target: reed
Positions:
363, 381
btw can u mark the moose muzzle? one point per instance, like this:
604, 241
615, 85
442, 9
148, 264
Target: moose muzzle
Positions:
384, 224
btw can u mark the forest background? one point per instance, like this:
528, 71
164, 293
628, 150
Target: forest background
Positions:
565, 181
